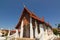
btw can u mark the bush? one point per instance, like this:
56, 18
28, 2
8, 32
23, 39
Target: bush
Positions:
55, 31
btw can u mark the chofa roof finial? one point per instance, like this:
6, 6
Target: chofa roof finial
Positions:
42, 18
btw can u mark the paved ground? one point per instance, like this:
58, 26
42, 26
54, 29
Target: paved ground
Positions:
57, 39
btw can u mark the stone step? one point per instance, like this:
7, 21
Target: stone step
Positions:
22, 39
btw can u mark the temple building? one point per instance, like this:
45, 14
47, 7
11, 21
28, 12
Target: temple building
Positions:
28, 23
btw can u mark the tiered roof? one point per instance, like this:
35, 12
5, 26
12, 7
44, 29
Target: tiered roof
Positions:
31, 14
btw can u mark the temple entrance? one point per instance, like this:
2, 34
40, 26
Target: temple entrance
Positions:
26, 31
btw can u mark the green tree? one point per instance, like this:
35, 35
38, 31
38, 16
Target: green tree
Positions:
58, 26
55, 31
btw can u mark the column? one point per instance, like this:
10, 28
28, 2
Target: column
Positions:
46, 35
8, 36
9, 33
31, 28
40, 26
36, 30
21, 31
41, 32
17, 33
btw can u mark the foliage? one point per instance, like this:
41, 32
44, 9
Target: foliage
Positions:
55, 31
58, 26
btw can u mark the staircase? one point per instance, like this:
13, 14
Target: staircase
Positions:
22, 39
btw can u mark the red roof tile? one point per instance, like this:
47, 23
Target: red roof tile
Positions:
31, 14
15, 30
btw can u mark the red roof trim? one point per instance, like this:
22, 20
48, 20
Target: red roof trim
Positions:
33, 16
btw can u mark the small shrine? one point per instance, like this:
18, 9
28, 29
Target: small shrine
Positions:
28, 23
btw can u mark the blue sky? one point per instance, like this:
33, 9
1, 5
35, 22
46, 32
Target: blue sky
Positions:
10, 11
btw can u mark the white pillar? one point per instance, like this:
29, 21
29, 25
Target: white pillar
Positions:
46, 35
21, 31
31, 28
36, 30
17, 34
40, 26
41, 32
9, 33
